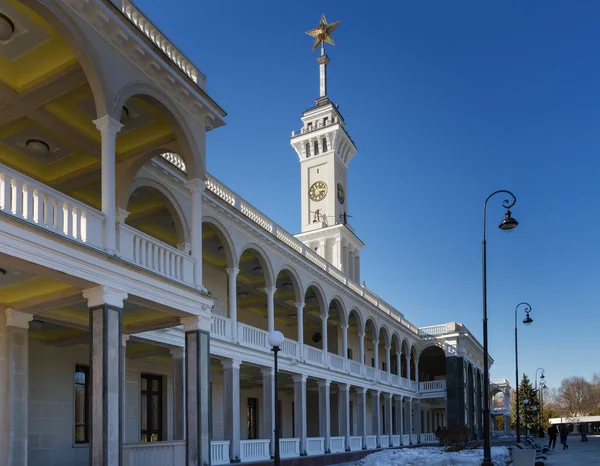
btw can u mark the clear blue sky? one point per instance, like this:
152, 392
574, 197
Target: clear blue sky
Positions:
447, 102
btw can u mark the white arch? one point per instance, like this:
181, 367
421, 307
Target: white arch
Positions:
342, 311
296, 282
223, 234
264, 260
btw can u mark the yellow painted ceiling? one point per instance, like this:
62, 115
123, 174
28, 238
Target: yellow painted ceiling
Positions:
37, 286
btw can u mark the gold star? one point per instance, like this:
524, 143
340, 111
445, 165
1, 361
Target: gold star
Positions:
322, 33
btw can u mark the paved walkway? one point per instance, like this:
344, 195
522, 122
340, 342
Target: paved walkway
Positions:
578, 454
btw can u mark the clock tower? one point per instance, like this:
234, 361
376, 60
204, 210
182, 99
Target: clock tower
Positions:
325, 149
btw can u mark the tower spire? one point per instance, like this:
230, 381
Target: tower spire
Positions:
322, 34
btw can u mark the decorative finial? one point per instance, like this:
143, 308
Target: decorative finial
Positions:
322, 34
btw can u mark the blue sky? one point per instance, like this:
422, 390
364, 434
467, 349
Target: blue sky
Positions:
447, 102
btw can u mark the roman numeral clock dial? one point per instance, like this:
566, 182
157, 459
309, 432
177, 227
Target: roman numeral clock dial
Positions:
318, 191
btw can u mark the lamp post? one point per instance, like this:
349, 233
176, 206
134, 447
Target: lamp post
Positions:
507, 224
527, 321
276, 340
525, 403
541, 428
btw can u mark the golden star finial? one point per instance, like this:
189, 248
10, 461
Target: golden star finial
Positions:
322, 33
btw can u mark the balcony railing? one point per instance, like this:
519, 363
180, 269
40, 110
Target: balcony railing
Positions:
315, 446
289, 447
336, 362
428, 438
371, 442
155, 453
338, 444
385, 441
406, 440
254, 450
395, 439
355, 443
432, 386
219, 452
313, 355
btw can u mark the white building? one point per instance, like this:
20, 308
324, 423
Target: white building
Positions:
138, 291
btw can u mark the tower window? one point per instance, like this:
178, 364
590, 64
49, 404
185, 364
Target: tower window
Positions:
309, 126
307, 149
324, 145
325, 121
316, 147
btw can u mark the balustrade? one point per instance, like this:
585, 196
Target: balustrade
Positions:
253, 336
289, 447
406, 440
371, 373
219, 452
395, 440
385, 441
290, 348
338, 444
355, 443
313, 355
154, 453
336, 362
221, 326
254, 450
371, 442
429, 438
315, 446
355, 367
383, 376
432, 386
415, 438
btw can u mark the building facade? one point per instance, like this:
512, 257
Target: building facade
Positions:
138, 291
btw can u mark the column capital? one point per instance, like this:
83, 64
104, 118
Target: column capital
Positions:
185, 247
270, 290
108, 124
232, 271
324, 383
387, 396
104, 295
267, 371
177, 353
361, 334
192, 323
18, 319
375, 343
231, 363
399, 398
344, 326
388, 348
195, 185
122, 215
124, 339
361, 390
300, 378
343, 386
300, 305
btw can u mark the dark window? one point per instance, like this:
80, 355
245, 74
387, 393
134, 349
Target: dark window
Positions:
82, 399
324, 145
349, 354
151, 408
383, 423
316, 147
309, 126
293, 420
383, 368
252, 415
307, 149
325, 121
351, 418
372, 362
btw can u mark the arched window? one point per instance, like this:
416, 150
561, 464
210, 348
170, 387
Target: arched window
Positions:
316, 147
307, 149
324, 144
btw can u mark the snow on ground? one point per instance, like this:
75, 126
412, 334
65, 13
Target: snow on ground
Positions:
433, 456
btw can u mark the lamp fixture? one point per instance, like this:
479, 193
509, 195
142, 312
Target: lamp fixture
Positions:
37, 147
527, 320
242, 295
124, 113
509, 222
7, 28
258, 268
286, 286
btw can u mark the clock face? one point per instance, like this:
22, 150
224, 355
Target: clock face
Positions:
340, 193
318, 191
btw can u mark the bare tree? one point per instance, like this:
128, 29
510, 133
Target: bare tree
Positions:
576, 396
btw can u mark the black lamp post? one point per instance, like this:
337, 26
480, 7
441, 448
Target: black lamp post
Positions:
540, 422
276, 340
527, 321
507, 224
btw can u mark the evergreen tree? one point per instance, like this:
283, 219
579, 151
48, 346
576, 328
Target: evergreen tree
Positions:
529, 412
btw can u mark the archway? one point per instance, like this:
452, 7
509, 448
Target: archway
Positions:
335, 321
355, 333
404, 360
252, 281
314, 307
432, 364
287, 294
217, 258
370, 343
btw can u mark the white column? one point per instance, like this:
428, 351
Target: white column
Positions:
361, 338
270, 291
357, 267
336, 255
399, 417
350, 262
417, 373
408, 367
124, 339
178, 358
268, 410
197, 389
399, 365
231, 387
376, 357
388, 361
345, 344
418, 427
17, 375
321, 250
300, 312
361, 393
232, 274
387, 400
300, 410
324, 317
325, 413
196, 187
106, 436
344, 412
410, 421
108, 127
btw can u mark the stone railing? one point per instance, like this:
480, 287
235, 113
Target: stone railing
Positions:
442, 329
219, 452
432, 386
154, 453
254, 450
338, 444
429, 438
355, 443
246, 209
147, 27
34, 202
315, 446
371, 442
289, 447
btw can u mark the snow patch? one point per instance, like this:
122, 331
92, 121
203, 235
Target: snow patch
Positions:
433, 456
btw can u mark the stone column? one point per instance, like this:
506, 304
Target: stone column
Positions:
197, 388
344, 412
418, 429
350, 261
408, 368
507, 423
232, 274
106, 433
268, 410
324, 317
231, 387
124, 339
387, 400
345, 345
357, 267
376, 415
388, 361
300, 410
410, 421
271, 307
108, 127
399, 417
344, 259
361, 393
300, 311
17, 375
417, 373
325, 413
399, 366
178, 358
361, 338
376, 358
196, 187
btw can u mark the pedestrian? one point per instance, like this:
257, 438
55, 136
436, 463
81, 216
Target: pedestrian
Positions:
564, 433
552, 434
584, 431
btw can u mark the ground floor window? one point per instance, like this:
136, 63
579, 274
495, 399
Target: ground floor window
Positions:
82, 398
252, 416
151, 408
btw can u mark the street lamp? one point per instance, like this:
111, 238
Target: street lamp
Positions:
276, 340
542, 384
527, 321
508, 223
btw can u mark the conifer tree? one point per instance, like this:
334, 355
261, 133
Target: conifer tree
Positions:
528, 411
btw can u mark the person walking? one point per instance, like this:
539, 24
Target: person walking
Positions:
564, 433
584, 431
552, 434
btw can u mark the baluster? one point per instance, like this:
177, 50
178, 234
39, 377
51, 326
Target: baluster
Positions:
68, 220
59, 225
17, 198
48, 213
37, 200
155, 254
76, 223
28, 202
